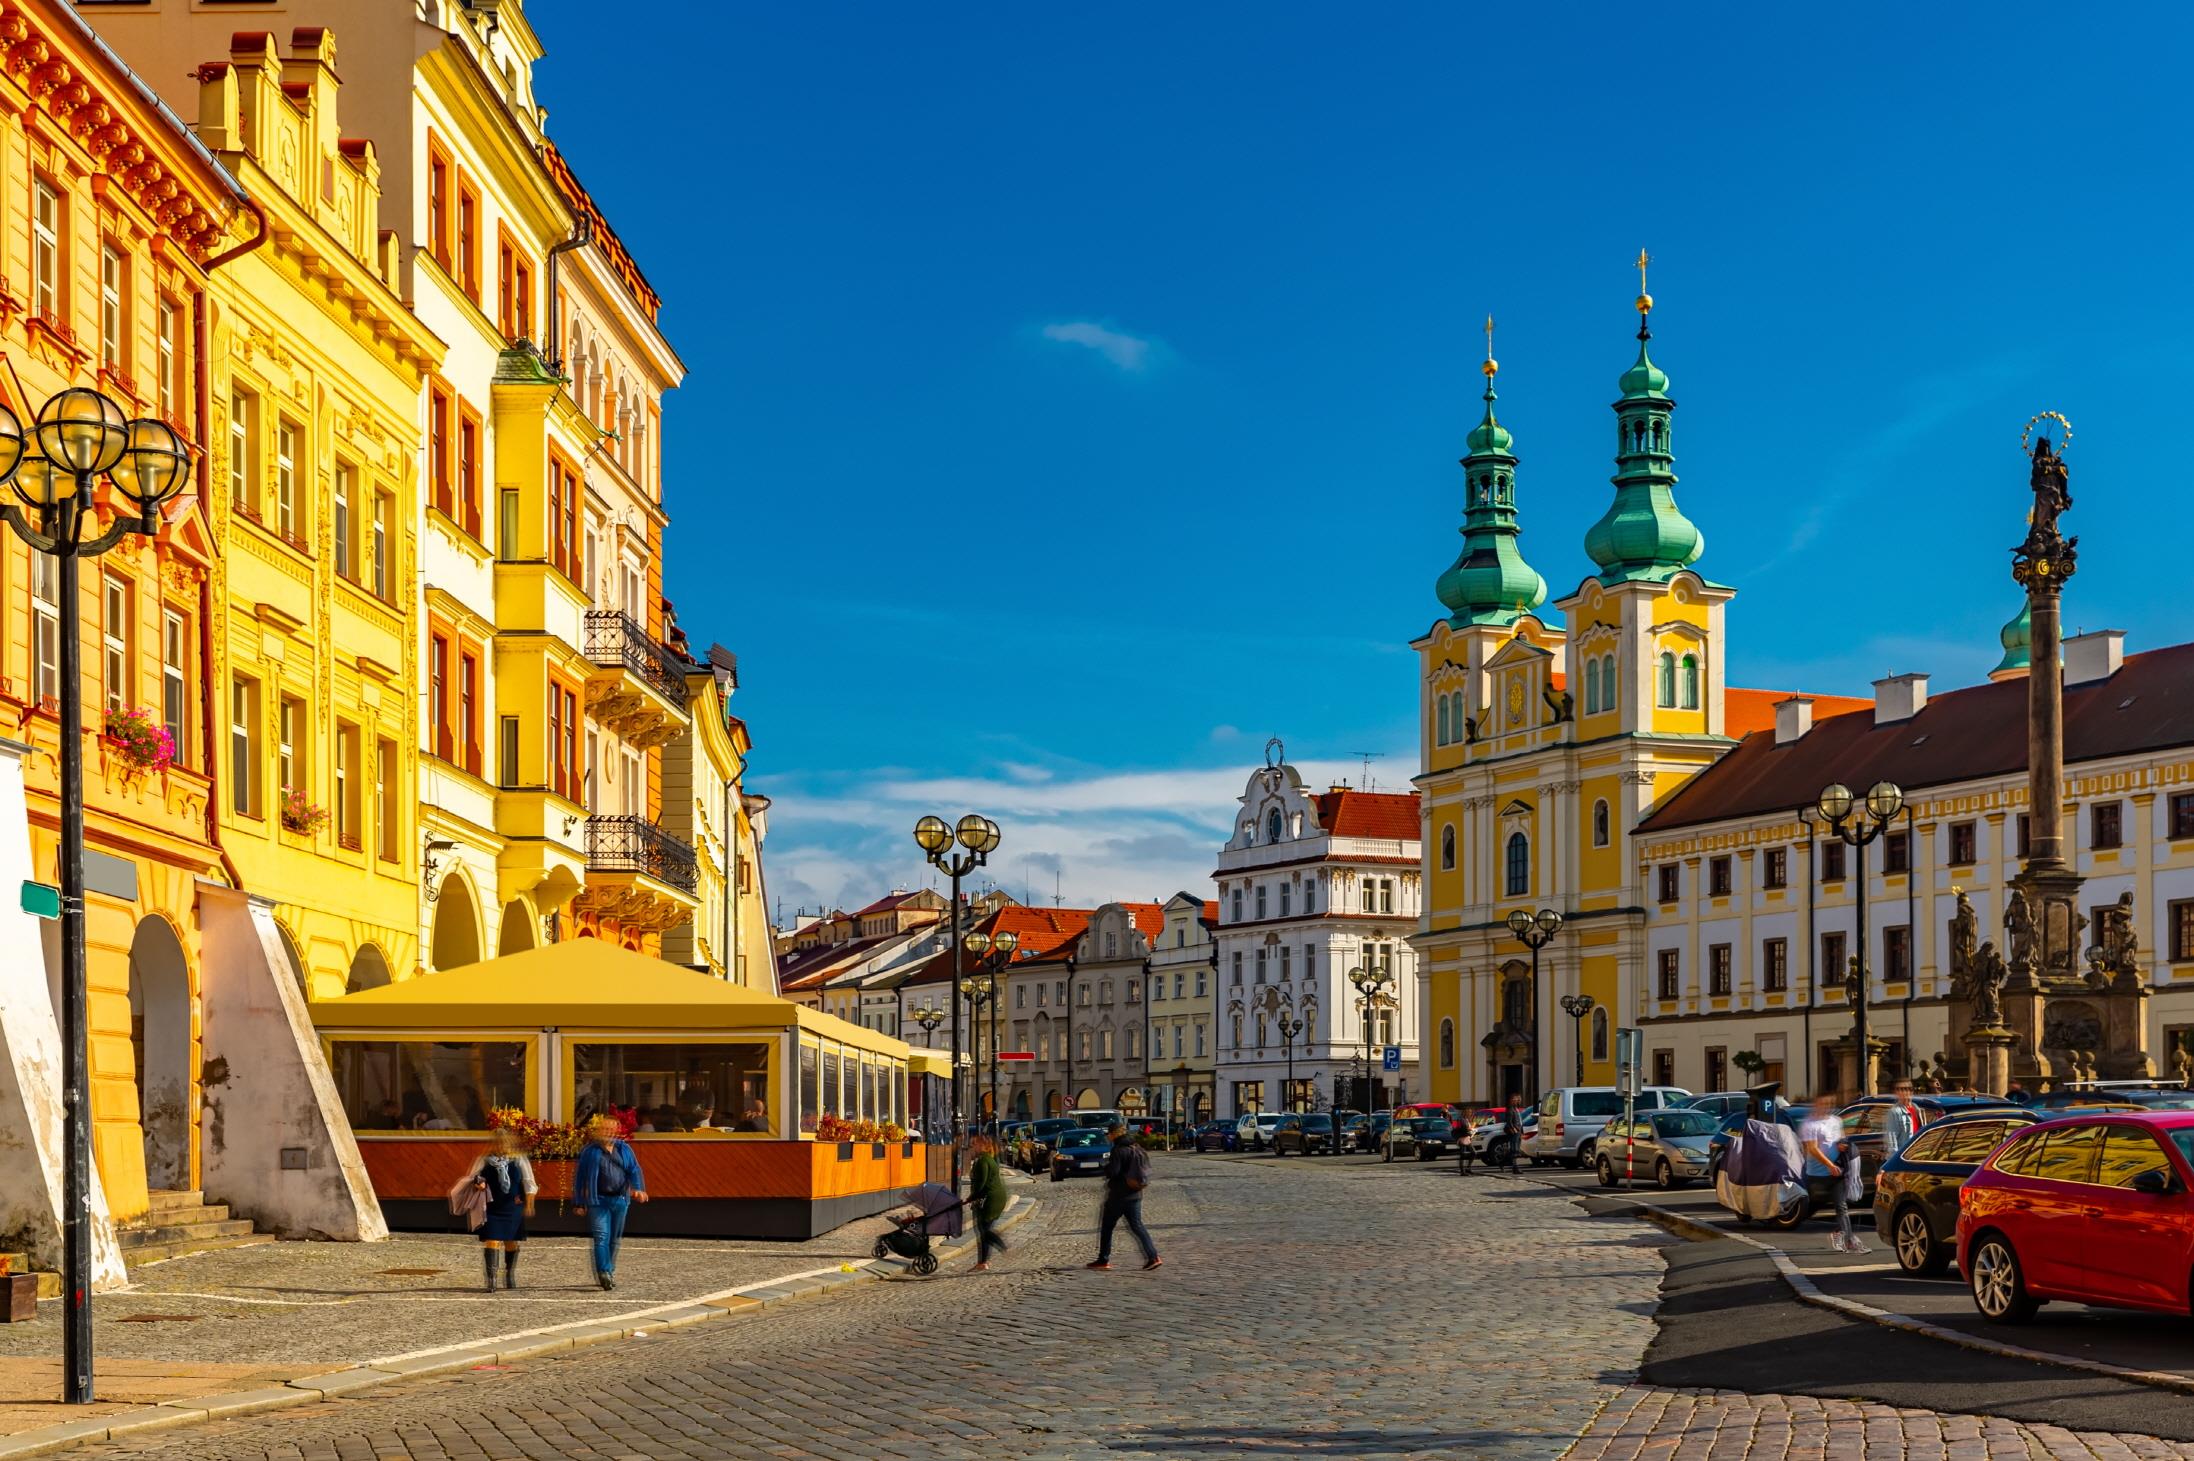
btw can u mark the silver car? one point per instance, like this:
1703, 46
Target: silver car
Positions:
1570, 1118
1670, 1147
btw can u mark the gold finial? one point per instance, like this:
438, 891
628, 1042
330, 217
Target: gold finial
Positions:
1492, 367
1645, 300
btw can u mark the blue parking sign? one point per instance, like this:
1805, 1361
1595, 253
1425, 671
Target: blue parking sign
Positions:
1393, 1058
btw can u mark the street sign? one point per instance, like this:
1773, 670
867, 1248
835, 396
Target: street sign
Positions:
1392, 1059
1629, 1059
1016, 1055
41, 899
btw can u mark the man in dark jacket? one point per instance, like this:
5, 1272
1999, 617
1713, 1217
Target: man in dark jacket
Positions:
988, 1197
1127, 1173
605, 1184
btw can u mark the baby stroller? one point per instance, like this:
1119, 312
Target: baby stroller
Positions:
937, 1214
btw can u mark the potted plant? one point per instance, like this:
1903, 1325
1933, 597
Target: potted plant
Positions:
299, 814
138, 740
1750, 1063
554, 1146
838, 1130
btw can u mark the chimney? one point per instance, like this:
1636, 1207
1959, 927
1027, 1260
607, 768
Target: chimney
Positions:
2089, 657
1900, 697
1793, 718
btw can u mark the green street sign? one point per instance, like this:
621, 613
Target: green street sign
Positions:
41, 899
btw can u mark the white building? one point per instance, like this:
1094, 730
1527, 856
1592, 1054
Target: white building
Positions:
1182, 1011
1311, 888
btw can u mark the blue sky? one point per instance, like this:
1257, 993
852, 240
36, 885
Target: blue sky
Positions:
1076, 392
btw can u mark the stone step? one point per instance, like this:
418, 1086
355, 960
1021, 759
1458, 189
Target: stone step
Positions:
164, 1200
139, 1255
136, 1238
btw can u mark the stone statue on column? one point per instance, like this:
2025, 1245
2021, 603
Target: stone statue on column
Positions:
1985, 981
1965, 926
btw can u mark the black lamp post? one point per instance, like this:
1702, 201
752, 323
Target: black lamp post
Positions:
978, 836
929, 1017
1858, 823
1534, 931
79, 437
1290, 1027
1370, 986
1577, 1006
992, 953
982, 995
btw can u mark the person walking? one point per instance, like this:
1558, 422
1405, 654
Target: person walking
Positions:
505, 1179
1512, 1129
1828, 1154
604, 1186
1127, 1173
988, 1197
1902, 1122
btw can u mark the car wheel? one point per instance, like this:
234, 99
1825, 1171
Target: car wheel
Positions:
1793, 1214
1607, 1173
1999, 1288
1585, 1151
1664, 1176
1917, 1250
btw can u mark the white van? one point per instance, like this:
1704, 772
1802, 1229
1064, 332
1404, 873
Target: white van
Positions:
1570, 1118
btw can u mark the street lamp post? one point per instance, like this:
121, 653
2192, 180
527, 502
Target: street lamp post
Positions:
1534, 931
1577, 1006
982, 995
1290, 1027
79, 437
978, 837
1370, 984
1858, 823
992, 953
929, 1017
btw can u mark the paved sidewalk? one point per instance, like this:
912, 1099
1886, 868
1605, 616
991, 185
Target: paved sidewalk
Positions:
247, 1322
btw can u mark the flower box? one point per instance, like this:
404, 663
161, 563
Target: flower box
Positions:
845, 1151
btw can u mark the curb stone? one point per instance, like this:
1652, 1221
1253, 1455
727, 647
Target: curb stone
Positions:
311, 1389
1806, 1291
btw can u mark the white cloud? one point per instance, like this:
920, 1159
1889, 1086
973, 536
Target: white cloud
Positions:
1131, 353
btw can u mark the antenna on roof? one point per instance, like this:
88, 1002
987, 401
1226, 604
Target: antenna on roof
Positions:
1367, 757
1056, 900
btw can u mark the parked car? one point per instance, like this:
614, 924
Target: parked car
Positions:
1668, 1146
1865, 1119
1257, 1130
1570, 1118
2154, 1095
2087, 1208
1489, 1137
1302, 1136
1041, 1135
1219, 1136
1721, 1103
1916, 1191
1369, 1134
1101, 1118
1424, 1138
1079, 1152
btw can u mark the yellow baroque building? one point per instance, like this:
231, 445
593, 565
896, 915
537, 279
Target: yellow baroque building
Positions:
317, 367
1544, 743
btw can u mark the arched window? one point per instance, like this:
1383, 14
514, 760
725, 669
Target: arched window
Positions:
1691, 682
1447, 847
1592, 687
1457, 722
1447, 1044
1273, 825
1600, 828
1668, 680
1516, 1004
1519, 864
1599, 1033
1443, 721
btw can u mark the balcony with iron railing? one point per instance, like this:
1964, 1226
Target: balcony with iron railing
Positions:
637, 845
637, 687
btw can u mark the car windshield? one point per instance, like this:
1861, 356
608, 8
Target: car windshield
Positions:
1435, 1127
1683, 1123
1317, 1123
1081, 1139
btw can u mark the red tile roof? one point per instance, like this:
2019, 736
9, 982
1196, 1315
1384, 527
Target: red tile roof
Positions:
1960, 735
1746, 711
886, 903
1389, 814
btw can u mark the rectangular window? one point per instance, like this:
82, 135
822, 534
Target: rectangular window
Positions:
2181, 917
346, 491
285, 481
565, 495
441, 481
1832, 862
387, 801
438, 703
1668, 971
438, 203
2106, 824
1718, 967
348, 790
1286, 895
166, 369
1775, 965
468, 237
115, 636
1775, 868
1664, 1067
244, 452
506, 753
1897, 953
1667, 875
1717, 1068
563, 748
506, 526
1261, 899
1963, 844
112, 268
469, 433
384, 509
175, 680
45, 251
45, 593
1386, 895
1833, 959
468, 711
1718, 877
2026, 830
513, 289
440, 1086
1896, 853
244, 746
290, 760
2182, 815
1199, 1039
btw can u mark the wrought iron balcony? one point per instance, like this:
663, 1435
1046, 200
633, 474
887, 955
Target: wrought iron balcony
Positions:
637, 845
615, 639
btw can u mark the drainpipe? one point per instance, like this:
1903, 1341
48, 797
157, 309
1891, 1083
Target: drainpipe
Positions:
582, 233
1912, 928
1812, 936
239, 250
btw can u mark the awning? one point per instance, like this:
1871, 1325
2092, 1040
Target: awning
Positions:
930, 1062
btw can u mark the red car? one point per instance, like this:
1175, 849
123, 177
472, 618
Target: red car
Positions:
2095, 1209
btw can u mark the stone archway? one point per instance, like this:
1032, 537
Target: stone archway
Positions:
160, 1040
521, 930
369, 969
456, 940
1054, 1104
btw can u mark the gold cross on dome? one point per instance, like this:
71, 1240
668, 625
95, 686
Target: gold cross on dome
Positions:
1643, 259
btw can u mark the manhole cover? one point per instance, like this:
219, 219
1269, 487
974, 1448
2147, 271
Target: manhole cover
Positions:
159, 1319
413, 1272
